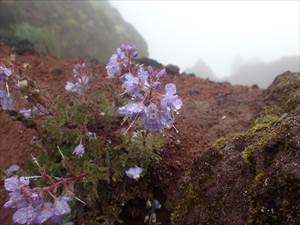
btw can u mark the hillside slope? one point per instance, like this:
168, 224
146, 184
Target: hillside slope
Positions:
211, 110
202, 184
86, 29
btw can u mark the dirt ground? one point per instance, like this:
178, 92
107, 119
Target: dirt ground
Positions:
210, 110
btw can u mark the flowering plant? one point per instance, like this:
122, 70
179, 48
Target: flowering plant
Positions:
91, 171
142, 85
7, 103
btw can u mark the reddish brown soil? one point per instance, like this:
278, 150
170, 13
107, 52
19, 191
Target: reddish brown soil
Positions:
211, 110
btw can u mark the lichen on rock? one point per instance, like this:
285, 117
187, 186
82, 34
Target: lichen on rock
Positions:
252, 177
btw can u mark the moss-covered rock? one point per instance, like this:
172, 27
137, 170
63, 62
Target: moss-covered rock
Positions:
252, 177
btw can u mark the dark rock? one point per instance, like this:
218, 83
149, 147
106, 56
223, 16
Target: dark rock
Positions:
172, 69
95, 61
251, 177
57, 71
149, 62
191, 74
24, 47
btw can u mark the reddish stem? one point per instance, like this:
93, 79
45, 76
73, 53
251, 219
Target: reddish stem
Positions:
62, 181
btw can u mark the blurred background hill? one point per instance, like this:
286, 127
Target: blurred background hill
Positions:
92, 30
249, 71
256, 71
201, 69
86, 29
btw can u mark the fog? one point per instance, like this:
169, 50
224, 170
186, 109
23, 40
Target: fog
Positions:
215, 32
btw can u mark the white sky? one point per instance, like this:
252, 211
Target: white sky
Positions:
180, 32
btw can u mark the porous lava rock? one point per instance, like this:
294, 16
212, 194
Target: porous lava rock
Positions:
250, 177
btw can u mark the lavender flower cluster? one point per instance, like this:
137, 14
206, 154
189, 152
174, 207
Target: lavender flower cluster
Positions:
142, 85
6, 101
81, 79
31, 204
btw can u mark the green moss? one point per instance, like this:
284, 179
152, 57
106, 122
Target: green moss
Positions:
259, 177
220, 142
192, 196
265, 124
268, 137
259, 203
292, 103
177, 214
246, 154
275, 132
257, 213
174, 217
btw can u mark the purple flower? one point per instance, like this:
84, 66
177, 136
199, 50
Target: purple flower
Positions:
79, 150
45, 213
156, 74
130, 51
39, 109
77, 69
7, 103
24, 181
150, 70
81, 80
131, 109
27, 113
141, 84
91, 135
11, 183
30, 205
69, 86
9, 204
156, 85
152, 118
61, 206
120, 60
4, 72
143, 75
16, 200
170, 101
74, 87
113, 68
134, 172
156, 204
161, 74
3, 94
34, 196
57, 219
167, 119
131, 85
24, 215
13, 168
170, 89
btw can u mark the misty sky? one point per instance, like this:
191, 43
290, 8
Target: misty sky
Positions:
180, 32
